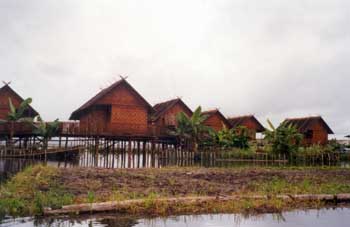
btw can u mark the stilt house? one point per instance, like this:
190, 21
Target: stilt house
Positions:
6, 93
116, 110
164, 117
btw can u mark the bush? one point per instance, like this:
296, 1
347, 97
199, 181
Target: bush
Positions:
229, 138
317, 149
283, 140
237, 153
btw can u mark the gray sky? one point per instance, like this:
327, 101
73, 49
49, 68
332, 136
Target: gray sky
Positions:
272, 58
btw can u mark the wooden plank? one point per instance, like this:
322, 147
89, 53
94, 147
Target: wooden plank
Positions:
52, 151
120, 205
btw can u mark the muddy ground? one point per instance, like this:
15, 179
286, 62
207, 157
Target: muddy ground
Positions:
111, 184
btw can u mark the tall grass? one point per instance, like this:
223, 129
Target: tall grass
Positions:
28, 192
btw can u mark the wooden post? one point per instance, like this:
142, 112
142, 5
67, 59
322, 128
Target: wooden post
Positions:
144, 154
129, 153
66, 145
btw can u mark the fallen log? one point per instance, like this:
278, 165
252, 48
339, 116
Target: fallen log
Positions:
119, 205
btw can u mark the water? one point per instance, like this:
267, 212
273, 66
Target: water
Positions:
338, 217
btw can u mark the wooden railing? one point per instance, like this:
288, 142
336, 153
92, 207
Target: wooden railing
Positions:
19, 128
74, 128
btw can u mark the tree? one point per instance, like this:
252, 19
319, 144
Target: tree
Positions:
16, 115
46, 130
192, 129
285, 139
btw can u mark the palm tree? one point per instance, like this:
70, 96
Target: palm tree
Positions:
16, 115
192, 128
284, 139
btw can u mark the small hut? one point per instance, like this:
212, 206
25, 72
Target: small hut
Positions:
314, 129
250, 122
117, 110
164, 117
216, 120
20, 129
6, 93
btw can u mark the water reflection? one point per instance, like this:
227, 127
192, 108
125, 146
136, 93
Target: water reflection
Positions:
321, 218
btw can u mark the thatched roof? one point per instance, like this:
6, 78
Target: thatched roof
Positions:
210, 113
162, 108
6, 88
75, 115
304, 123
239, 121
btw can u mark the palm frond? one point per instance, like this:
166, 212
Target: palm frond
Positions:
271, 125
12, 107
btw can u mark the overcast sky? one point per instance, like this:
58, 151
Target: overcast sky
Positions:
271, 58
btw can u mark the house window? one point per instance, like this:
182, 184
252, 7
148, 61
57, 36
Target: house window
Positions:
309, 134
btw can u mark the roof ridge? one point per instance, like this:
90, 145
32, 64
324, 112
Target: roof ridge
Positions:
18, 96
170, 100
211, 110
302, 118
302, 122
241, 116
105, 91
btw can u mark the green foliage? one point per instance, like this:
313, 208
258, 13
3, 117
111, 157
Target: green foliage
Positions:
150, 200
183, 129
28, 192
230, 138
238, 153
11, 206
54, 198
283, 140
16, 114
46, 130
279, 185
334, 145
193, 128
317, 149
91, 197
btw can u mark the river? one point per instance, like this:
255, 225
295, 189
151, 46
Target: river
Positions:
337, 217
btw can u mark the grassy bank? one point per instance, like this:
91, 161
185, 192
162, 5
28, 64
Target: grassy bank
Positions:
37, 187
28, 192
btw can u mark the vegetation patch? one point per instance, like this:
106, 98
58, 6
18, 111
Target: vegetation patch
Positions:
28, 192
37, 187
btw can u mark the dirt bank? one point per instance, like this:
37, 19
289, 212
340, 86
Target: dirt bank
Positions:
164, 191
139, 183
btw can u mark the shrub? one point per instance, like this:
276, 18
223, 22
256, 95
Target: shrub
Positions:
229, 138
283, 140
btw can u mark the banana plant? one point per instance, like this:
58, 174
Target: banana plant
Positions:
191, 128
182, 129
285, 139
240, 137
234, 137
45, 130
